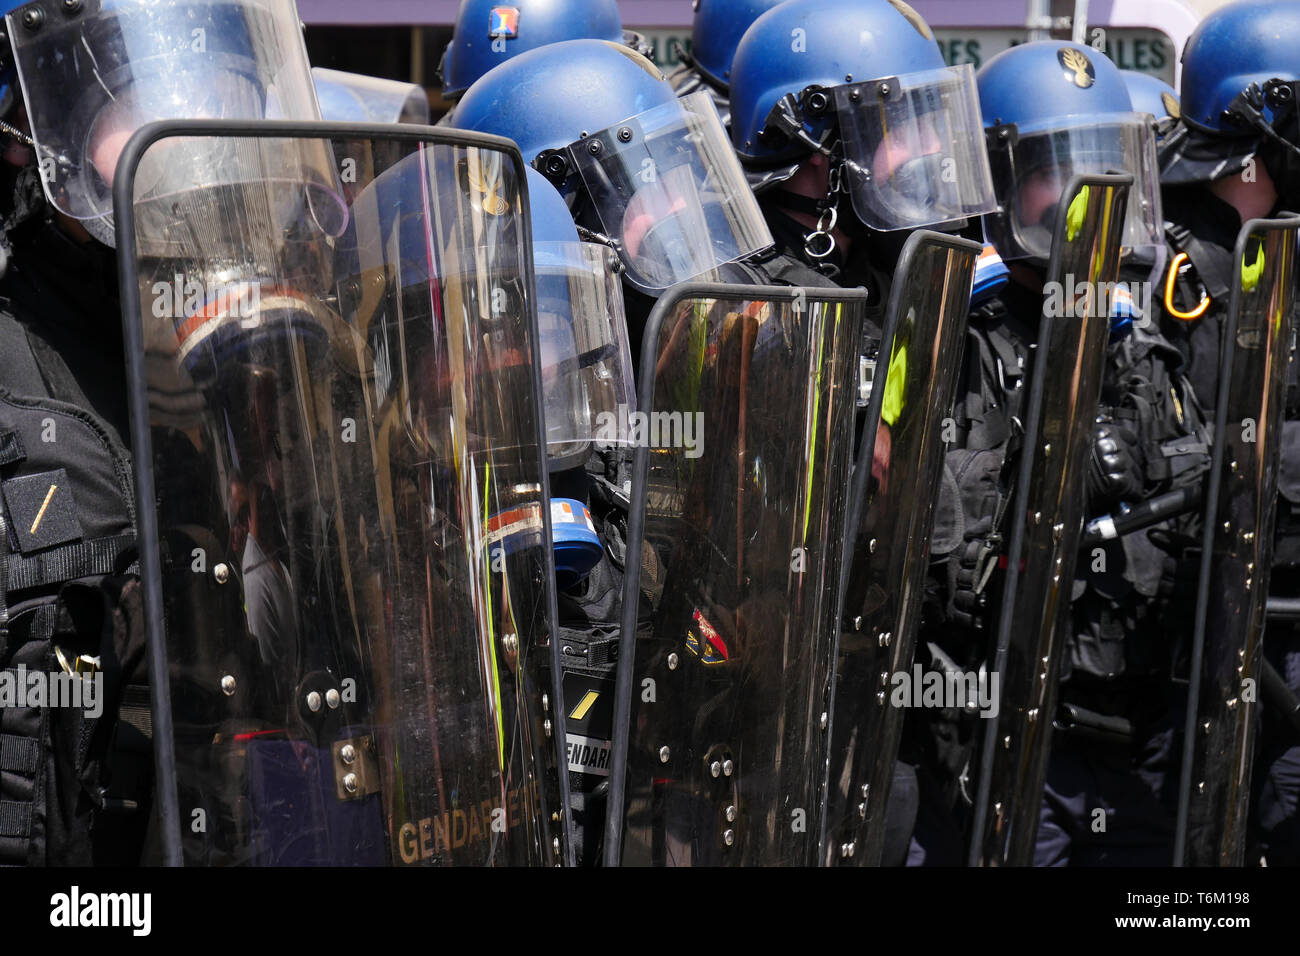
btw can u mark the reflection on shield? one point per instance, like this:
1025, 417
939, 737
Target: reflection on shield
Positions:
350, 592
747, 397
1237, 549
887, 547
1047, 517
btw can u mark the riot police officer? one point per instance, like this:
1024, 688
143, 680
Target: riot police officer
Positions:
855, 135
77, 783
1055, 110
1235, 156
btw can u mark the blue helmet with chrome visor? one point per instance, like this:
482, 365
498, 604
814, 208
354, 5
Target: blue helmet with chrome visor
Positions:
650, 174
1078, 120
863, 82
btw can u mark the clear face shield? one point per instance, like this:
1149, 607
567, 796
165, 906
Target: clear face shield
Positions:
92, 77
356, 98
914, 149
586, 383
1031, 170
666, 187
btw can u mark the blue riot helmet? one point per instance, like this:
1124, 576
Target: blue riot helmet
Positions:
1241, 76
489, 33
649, 174
863, 82
717, 29
93, 71
357, 98
1150, 94
1079, 119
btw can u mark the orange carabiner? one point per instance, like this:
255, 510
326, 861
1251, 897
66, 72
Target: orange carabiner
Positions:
1197, 312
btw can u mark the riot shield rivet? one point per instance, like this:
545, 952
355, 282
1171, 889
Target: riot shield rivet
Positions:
1047, 449
871, 545
729, 837
880, 697
715, 768
997, 808
886, 638
1032, 715
546, 726
866, 790
71, 7
625, 135
228, 685
1241, 653
1227, 526
1006, 742
884, 675
672, 662
348, 753
1232, 703
727, 768
313, 701
663, 754
1200, 787
824, 720
350, 782
332, 698
594, 147
1232, 465
546, 702
731, 814
857, 623
1038, 517
221, 572
33, 17
884, 89
862, 809
1205, 728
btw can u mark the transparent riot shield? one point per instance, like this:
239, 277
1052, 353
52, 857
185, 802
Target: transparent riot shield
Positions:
1047, 516
1237, 549
345, 550
887, 547
740, 481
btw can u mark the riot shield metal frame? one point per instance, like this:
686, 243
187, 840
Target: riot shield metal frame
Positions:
1234, 570
151, 563
894, 636
664, 308
1027, 745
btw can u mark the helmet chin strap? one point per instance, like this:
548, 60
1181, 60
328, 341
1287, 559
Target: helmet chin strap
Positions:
819, 243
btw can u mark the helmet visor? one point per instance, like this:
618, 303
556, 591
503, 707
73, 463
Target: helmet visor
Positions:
91, 78
1031, 171
584, 345
666, 186
356, 98
914, 149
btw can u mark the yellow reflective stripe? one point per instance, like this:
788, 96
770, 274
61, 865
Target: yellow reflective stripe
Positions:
1075, 215
492, 637
584, 705
1250, 274
895, 379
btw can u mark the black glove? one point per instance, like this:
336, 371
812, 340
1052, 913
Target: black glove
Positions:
1114, 466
